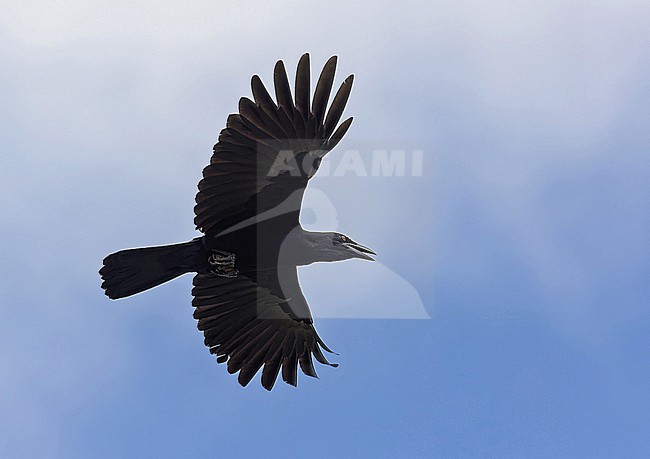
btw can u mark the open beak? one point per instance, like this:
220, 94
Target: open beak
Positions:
360, 251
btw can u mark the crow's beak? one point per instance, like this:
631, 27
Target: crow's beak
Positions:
360, 251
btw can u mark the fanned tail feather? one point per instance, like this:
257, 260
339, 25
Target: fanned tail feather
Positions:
132, 271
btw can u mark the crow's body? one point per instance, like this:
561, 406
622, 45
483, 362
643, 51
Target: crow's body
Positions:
246, 292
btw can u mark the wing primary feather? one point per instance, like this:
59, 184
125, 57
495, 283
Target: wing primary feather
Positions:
272, 368
282, 88
323, 89
247, 373
321, 358
290, 359
303, 86
322, 344
252, 364
262, 96
338, 105
290, 369
255, 358
307, 365
339, 133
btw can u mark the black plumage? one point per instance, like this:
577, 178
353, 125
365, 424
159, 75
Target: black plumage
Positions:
250, 307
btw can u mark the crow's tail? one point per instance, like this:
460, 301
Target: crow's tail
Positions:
132, 271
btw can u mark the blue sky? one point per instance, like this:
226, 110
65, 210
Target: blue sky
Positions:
525, 240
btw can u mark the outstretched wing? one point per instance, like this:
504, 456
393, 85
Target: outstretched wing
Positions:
250, 323
269, 150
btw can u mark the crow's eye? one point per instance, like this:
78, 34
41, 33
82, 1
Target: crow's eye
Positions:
344, 239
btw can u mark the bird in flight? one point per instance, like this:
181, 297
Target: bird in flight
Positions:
246, 294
